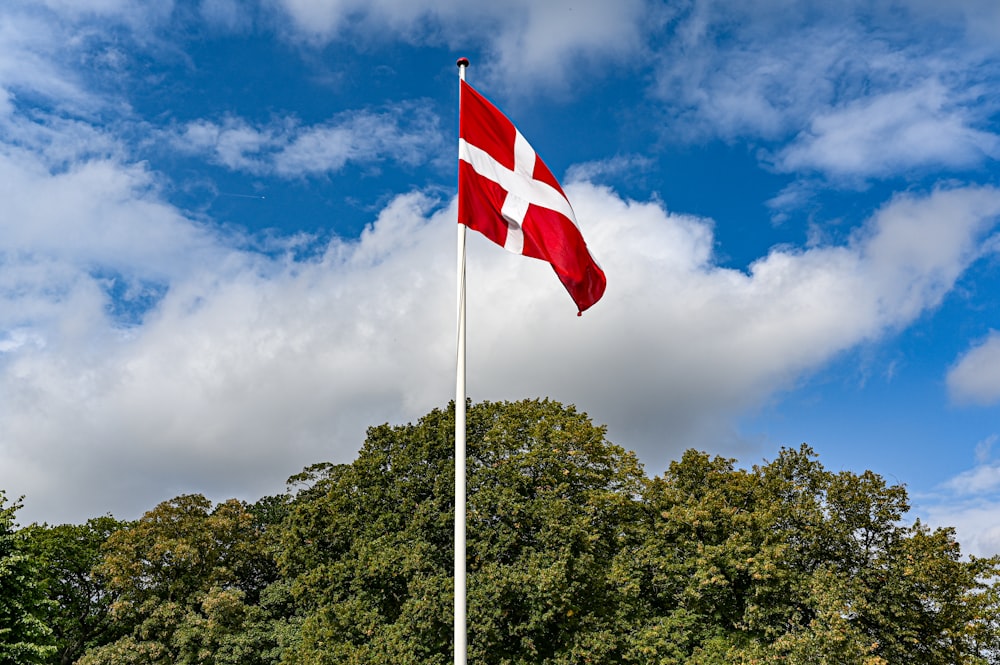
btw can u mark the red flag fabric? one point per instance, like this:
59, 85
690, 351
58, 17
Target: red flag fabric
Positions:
507, 193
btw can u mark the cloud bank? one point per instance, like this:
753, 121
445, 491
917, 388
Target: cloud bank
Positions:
245, 367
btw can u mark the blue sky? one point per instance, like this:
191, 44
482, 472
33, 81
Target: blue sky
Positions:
227, 237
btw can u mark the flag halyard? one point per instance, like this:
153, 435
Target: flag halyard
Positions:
507, 193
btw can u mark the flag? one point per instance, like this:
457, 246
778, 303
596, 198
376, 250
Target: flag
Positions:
507, 193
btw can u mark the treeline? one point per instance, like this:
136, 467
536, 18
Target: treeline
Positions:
574, 555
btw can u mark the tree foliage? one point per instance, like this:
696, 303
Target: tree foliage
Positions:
369, 544
189, 580
24, 637
574, 554
789, 563
79, 605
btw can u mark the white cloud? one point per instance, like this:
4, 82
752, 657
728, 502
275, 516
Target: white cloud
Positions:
251, 367
53, 50
851, 90
404, 133
615, 167
795, 196
985, 447
407, 134
531, 43
920, 245
969, 502
763, 69
553, 39
233, 143
243, 373
751, 88
29, 61
58, 143
96, 214
983, 478
889, 133
976, 523
975, 378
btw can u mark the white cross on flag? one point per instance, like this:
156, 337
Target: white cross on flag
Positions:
507, 193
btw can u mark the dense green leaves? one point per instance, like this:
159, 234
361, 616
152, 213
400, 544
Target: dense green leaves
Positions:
79, 609
551, 503
24, 637
790, 563
188, 580
574, 556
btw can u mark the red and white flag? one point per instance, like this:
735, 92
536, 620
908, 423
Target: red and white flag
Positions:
507, 193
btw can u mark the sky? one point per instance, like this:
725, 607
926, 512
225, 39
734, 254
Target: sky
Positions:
227, 237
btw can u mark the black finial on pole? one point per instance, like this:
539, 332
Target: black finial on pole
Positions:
462, 62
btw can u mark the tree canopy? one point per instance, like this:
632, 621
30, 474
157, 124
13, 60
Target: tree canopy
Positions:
575, 555
24, 637
79, 608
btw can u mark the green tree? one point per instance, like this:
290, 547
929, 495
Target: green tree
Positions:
574, 556
789, 563
191, 583
24, 638
551, 504
369, 544
79, 609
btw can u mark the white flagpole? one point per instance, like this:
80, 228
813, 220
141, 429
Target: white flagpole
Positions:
460, 627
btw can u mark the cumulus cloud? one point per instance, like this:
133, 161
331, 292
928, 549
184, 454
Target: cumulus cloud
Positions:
975, 378
96, 214
250, 367
241, 373
796, 309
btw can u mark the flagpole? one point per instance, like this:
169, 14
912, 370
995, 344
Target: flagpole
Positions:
460, 626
